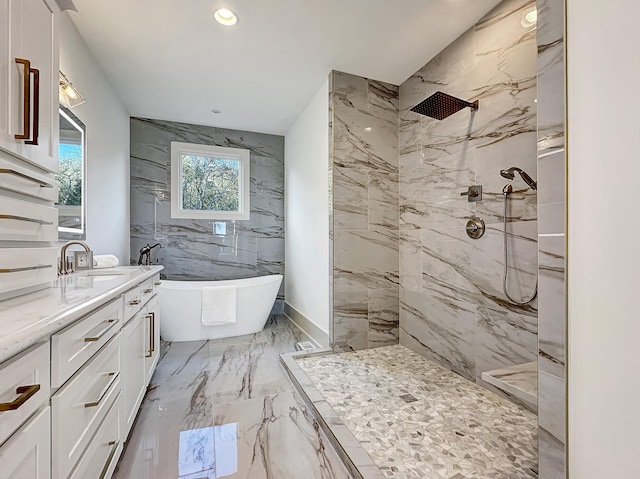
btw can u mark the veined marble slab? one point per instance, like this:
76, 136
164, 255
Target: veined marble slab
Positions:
225, 409
520, 381
31, 318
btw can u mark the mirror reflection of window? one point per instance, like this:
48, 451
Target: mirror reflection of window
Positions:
70, 177
209, 452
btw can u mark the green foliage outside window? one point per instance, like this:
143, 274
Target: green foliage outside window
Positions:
69, 175
210, 184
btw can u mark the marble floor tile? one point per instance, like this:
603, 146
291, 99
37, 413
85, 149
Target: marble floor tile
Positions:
418, 420
225, 409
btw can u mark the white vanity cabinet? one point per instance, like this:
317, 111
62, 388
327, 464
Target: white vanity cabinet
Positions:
132, 357
29, 99
67, 403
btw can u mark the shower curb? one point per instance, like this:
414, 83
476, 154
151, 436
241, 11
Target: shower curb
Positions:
352, 454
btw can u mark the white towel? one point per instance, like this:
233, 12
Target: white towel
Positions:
105, 261
218, 305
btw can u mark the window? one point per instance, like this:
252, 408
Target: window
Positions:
209, 182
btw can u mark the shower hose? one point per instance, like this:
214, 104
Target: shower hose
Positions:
506, 264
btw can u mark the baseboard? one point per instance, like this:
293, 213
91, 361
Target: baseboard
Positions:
312, 330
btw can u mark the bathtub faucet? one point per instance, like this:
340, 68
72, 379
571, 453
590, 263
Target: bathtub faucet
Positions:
146, 251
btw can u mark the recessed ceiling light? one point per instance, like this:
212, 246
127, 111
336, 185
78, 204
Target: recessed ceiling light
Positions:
530, 19
226, 17
216, 111
368, 129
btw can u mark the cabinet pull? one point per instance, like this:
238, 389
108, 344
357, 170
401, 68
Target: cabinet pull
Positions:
152, 334
158, 283
25, 392
9, 171
36, 106
115, 445
26, 268
102, 332
26, 98
114, 376
147, 291
24, 218
134, 302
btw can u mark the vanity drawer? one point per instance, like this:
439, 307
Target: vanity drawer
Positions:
74, 345
79, 407
25, 221
147, 290
24, 180
27, 455
132, 302
24, 387
101, 457
25, 267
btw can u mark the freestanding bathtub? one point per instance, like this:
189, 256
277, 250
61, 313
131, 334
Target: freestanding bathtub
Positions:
181, 304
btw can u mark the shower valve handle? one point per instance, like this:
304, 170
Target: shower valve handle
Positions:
473, 193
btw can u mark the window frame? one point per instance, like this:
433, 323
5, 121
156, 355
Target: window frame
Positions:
242, 155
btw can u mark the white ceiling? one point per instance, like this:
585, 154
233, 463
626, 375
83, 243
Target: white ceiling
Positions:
168, 59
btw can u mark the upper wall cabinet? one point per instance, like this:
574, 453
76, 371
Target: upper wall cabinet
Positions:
29, 81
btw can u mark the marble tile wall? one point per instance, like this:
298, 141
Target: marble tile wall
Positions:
551, 239
190, 249
452, 306
364, 212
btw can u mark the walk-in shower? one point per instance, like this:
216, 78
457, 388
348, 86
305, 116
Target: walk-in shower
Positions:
506, 191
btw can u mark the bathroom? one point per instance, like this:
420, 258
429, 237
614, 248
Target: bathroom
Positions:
412, 274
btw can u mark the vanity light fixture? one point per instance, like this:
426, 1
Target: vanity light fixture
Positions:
67, 93
530, 19
225, 17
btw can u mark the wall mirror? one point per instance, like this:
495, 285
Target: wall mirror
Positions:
72, 156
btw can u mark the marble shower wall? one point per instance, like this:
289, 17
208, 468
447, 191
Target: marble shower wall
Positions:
452, 307
191, 251
551, 240
364, 213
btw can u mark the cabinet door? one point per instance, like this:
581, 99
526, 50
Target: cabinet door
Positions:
31, 35
132, 352
152, 333
27, 454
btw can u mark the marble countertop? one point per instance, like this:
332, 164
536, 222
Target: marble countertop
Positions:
31, 318
520, 381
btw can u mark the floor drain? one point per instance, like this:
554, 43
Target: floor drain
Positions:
305, 346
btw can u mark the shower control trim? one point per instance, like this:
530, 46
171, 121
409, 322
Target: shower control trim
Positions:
473, 193
475, 228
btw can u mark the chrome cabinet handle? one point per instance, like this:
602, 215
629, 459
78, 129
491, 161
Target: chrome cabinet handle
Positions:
102, 332
25, 392
36, 106
24, 218
9, 171
134, 302
26, 98
26, 268
115, 445
114, 376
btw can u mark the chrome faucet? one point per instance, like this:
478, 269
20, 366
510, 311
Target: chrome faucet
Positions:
145, 253
63, 267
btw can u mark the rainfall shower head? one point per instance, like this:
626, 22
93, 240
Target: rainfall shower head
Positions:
509, 174
440, 106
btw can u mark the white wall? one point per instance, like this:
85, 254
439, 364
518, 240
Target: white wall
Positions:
306, 173
604, 239
107, 124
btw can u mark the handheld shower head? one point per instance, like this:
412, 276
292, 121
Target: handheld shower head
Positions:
509, 174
